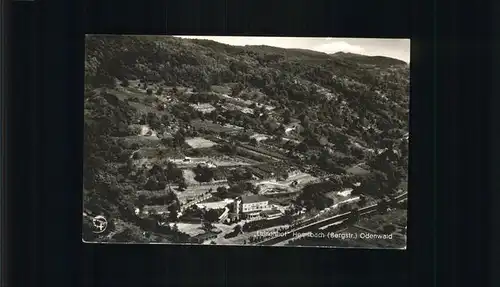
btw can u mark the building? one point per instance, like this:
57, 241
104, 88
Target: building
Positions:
224, 216
253, 205
208, 164
215, 204
271, 214
346, 192
156, 209
204, 107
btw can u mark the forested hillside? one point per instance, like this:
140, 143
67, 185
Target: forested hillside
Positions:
343, 108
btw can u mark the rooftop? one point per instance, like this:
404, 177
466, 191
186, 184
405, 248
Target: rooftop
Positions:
271, 212
253, 198
215, 205
345, 192
157, 208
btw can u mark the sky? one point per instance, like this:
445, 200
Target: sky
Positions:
393, 48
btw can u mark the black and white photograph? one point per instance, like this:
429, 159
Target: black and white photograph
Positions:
246, 141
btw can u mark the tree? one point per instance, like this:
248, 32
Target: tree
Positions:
369, 185
357, 152
312, 196
403, 147
103, 80
182, 185
175, 228
388, 229
159, 91
169, 142
344, 208
213, 115
129, 234
174, 174
302, 147
149, 91
173, 211
236, 90
179, 138
151, 184
382, 207
237, 229
354, 216
222, 191
362, 201
155, 170
210, 216
229, 148
253, 141
236, 189
203, 173
305, 122
125, 83
287, 117
141, 201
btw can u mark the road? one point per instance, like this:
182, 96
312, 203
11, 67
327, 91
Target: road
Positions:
402, 196
319, 224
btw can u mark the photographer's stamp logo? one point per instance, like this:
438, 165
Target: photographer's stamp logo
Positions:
100, 223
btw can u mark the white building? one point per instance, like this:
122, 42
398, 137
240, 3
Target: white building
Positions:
345, 192
253, 205
204, 108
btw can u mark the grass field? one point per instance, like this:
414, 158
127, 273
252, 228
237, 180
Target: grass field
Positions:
224, 161
156, 153
221, 89
397, 217
357, 170
142, 141
195, 191
264, 151
209, 125
199, 142
145, 109
192, 229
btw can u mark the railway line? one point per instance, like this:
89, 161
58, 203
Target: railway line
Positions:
311, 226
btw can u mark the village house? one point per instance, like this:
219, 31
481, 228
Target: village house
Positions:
253, 205
346, 192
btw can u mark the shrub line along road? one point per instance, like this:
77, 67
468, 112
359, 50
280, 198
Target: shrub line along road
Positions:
317, 225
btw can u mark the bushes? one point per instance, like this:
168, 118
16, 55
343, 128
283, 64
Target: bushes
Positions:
313, 196
203, 174
136, 155
154, 184
261, 224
